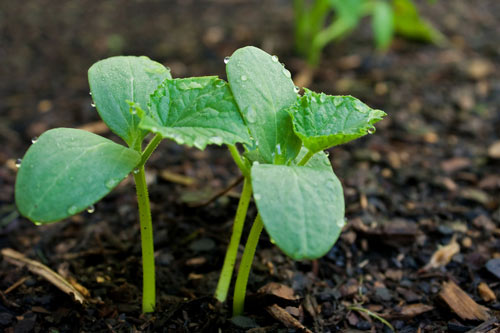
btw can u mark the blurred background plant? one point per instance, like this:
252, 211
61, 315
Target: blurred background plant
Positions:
321, 22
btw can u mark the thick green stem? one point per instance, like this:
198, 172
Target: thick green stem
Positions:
148, 259
155, 141
306, 158
246, 264
232, 250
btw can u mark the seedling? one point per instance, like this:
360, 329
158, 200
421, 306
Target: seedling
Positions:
299, 198
68, 170
314, 30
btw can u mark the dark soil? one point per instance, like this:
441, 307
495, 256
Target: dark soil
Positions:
429, 175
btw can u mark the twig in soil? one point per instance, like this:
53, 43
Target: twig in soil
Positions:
218, 194
40, 269
6, 302
486, 327
15, 285
371, 314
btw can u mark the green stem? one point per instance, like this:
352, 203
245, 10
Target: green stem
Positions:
246, 264
232, 250
239, 161
306, 158
155, 141
148, 259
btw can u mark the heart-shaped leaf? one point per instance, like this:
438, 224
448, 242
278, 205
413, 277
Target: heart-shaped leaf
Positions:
302, 207
323, 121
263, 90
67, 170
116, 80
195, 111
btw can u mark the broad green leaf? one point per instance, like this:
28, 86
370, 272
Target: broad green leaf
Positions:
263, 90
302, 207
323, 121
115, 80
383, 24
196, 111
67, 170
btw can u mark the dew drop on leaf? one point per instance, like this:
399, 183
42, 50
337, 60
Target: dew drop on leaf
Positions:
133, 110
243, 78
371, 130
90, 209
274, 58
255, 163
226, 60
37, 223
18, 162
287, 73
111, 183
90, 93
341, 223
72, 210
136, 171
278, 149
251, 115
92, 105
33, 139
296, 89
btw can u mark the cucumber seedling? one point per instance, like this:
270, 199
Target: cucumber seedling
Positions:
68, 170
299, 199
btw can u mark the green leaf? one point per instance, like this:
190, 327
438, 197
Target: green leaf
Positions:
263, 90
67, 170
302, 207
409, 24
323, 121
196, 111
383, 24
115, 80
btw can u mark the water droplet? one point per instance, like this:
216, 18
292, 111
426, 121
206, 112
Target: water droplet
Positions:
251, 115
226, 59
136, 171
255, 163
18, 163
257, 196
274, 58
216, 140
341, 223
90, 209
72, 210
278, 149
37, 223
287, 73
327, 153
111, 183
243, 78
34, 139
92, 105
133, 110
90, 93
371, 130
296, 89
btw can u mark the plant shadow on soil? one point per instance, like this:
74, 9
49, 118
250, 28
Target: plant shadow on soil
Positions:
429, 174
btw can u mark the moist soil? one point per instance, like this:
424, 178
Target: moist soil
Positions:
427, 180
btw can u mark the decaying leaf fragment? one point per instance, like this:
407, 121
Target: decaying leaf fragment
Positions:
443, 255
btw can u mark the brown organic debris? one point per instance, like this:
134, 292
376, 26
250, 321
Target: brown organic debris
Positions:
40, 269
442, 256
486, 293
284, 317
461, 303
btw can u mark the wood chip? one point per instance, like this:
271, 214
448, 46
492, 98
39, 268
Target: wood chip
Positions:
486, 293
413, 310
40, 269
284, 317
461, 303
442, 256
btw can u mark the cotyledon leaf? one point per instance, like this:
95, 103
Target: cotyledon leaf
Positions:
263, 90
323, 121
67, 170
195, 111
302, 207
116, 80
